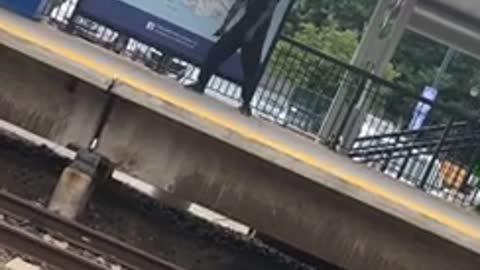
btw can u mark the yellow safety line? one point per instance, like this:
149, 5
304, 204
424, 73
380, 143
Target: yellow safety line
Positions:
245, 132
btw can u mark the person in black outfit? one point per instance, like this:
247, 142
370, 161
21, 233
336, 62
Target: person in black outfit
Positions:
249, 34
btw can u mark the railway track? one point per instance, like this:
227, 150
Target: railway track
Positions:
83, 244
26, 243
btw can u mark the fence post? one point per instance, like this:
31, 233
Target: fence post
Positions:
472, 163
359, 91
389, 157
436, 153
404, 165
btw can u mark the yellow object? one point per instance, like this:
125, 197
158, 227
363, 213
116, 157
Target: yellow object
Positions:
453, 175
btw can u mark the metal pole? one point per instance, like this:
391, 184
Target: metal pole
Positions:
443, 67
350, 106
104, 117
379, 42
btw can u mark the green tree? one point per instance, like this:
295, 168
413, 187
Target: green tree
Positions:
331, 40
311, 68
328, 25
317, 77
346, 14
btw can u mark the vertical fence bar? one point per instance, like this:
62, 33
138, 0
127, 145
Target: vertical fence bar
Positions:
472, 163
436, 154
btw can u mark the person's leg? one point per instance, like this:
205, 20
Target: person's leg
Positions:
251, 58
221, 51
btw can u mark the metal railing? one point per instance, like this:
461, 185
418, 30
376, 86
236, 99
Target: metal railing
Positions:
296, 92
288, 94
424, 144
441, 160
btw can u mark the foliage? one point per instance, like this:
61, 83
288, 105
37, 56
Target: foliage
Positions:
329, 40
417, 59
347, 14
310, 65
335, 26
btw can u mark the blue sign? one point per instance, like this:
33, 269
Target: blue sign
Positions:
422, 109
181, 27
32, 9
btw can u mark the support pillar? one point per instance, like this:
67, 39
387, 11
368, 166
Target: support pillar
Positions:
376, 49
77, 183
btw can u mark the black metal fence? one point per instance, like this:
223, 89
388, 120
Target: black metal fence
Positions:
288, 94
296, 91
424, 144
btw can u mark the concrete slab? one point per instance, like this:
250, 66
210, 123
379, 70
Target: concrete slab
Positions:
46, 101
314, 167
135, 183
72, 193
288, 206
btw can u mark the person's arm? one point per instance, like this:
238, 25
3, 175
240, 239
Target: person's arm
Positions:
266, 15
233, 11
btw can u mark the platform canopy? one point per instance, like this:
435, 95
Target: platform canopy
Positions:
455, 23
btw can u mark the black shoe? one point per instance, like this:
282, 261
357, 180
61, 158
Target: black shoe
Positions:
246, 110
195, 87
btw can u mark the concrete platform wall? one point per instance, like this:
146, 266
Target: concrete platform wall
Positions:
284, 205
46, 101
199, 168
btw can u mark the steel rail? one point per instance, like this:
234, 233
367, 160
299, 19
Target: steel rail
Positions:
82, 236
27, 244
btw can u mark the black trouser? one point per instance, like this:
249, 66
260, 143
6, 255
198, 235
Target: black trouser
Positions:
251, 57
